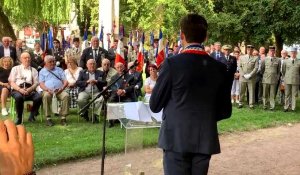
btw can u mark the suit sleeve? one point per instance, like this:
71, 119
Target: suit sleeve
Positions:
83, 59
224, 105
262, 68
81, 82
162, 90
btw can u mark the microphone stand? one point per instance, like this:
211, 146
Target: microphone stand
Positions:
105, 95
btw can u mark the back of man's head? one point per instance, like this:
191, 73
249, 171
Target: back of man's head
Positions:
194, 27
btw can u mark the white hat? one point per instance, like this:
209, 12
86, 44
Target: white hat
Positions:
293, 49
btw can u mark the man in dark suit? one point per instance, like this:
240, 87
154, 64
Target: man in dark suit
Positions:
217, 54
90, 83
7, 50
95, 52
123, 89
58, 53
230, 62
191, 90
138, 80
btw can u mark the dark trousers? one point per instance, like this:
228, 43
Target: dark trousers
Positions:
19, 98
185, 163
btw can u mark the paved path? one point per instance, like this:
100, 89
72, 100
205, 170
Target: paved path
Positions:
273, 151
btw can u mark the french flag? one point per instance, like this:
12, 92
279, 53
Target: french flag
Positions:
140, 56
120, 53
160, 51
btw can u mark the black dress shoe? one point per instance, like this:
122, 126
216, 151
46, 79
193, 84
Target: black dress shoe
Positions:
285, 110
63, 122
18, 121
240, 106
85, 116
49, 122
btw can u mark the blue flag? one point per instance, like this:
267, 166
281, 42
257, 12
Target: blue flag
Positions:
50, 38
85, 35
101, 34
151, 39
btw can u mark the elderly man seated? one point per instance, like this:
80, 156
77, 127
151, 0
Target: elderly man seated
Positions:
24, 80
90, 83
53, 81
108, 71
138, 80
123, 89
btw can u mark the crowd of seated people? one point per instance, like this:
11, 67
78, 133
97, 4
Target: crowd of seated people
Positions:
54, 75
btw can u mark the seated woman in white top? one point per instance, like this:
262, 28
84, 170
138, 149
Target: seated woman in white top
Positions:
72, 73
150, 82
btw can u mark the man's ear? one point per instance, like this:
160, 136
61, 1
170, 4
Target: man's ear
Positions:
182, 36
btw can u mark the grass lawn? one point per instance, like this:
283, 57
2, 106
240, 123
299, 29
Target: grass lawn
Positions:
81, 139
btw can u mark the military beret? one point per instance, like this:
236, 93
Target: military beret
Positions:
250, 46
226, 47
272, 47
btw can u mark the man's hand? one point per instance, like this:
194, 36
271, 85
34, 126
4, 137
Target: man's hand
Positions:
120, 92
92, 82
16, 149
23, 91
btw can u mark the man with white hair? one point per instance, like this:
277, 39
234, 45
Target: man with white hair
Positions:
291, 76
24, 80
90, 83
94, 52
53, 81
7, 50
108, 71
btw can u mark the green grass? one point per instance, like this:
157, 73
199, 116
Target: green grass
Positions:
80, 140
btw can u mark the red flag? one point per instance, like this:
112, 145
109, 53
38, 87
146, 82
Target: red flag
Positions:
160, 50
120, 53
140, 58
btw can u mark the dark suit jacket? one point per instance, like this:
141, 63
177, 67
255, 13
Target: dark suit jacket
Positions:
138, 80
191, 91
13, 53
84, 77
127, 83
214, 55
88, 54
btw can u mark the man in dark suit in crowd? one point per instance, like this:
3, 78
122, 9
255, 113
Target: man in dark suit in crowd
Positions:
7, 50
217, 54
191, 90
95, 52
123, 89
138, 80
90, 83
230, 62
58, 53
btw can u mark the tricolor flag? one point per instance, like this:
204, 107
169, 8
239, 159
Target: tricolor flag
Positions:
85, 43
130, 39
140, 56
121, 32
101, 36
160, 51
120, 53
50, 38
151, 39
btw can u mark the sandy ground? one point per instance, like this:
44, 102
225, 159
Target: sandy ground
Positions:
273, 151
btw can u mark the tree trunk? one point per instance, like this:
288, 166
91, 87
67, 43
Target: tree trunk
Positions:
279, 44
6, 28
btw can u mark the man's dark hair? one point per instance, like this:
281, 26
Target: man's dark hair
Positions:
194, 27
